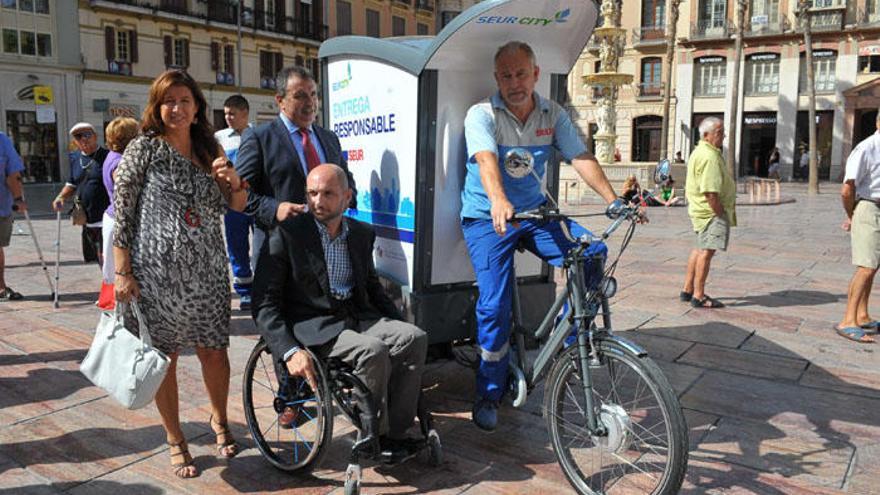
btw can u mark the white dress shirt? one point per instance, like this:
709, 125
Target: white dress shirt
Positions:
863, 167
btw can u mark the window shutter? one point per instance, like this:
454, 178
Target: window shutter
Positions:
259, 14
230, 57
186, 53
279, 62
169, 49
280, 14
110, 43
215, 56
133, 45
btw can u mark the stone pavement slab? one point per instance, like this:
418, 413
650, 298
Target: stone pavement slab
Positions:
775, 402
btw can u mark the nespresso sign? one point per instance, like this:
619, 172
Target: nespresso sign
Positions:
767, 120
762, 57
710, 60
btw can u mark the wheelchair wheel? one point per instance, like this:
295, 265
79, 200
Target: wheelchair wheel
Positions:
301, 446
435, 449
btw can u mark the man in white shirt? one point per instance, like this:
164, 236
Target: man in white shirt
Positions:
861, 201
238, 225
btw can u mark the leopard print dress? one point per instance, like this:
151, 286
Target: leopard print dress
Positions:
169, 215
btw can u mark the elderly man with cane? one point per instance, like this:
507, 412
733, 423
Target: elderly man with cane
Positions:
11, 196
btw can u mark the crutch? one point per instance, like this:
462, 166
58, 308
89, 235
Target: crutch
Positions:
27, 218
57, 259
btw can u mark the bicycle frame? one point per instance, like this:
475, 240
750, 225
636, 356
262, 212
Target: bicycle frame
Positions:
584, 315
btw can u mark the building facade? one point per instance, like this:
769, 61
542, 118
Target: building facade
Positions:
449, 9
773, 109
382, 18
40, 69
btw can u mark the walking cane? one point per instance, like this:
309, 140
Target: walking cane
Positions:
57, 259
27, 218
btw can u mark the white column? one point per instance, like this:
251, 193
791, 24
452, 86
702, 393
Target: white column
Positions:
684, 109
786, 124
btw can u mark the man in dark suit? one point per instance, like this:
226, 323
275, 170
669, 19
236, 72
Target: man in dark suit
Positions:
275, 158
316, 286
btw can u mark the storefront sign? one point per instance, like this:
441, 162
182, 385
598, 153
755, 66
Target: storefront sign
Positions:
762, 120
45, 114
710, 60
117, 110
824, 53
43, 95
764, 56
869, 50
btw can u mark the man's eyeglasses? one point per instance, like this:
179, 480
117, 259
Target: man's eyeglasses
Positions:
83, 135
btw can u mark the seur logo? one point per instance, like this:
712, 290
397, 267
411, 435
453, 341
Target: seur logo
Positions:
343, 83
559, 18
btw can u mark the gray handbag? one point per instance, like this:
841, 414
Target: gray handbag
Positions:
127, 367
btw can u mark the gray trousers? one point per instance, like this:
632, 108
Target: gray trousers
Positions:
389, 356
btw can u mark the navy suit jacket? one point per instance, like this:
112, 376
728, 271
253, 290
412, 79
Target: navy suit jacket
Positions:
268, 160
291, 295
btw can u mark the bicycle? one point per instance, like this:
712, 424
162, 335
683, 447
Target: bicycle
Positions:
618, 427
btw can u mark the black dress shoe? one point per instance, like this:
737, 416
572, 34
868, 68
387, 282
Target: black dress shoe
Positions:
397, 450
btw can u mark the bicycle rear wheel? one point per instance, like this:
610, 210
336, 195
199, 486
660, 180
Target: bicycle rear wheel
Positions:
645, 450
300, 445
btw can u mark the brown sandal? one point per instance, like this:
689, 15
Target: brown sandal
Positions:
180, 468
226, 445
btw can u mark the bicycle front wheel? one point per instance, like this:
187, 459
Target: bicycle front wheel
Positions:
645, 449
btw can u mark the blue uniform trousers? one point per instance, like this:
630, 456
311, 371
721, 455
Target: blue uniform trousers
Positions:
492, 258
238, 230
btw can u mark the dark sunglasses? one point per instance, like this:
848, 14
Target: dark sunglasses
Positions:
83, 135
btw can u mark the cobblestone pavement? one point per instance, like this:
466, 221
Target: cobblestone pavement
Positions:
775, 401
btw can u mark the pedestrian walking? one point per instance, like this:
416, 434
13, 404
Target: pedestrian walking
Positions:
86, 186
773, 168
120, 131
238, 225
11, 195
711, 196
172, 187
860, 195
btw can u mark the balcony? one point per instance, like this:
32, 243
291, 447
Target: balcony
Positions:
649, 35
706, 29
267, 21
649, 91
761, 25
868, 19
425, 5
405, 3
222, 11
827, 15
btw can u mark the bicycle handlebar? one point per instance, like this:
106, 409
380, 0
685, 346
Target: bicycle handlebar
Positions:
617, 211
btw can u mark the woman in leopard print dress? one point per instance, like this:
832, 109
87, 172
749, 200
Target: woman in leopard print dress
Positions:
172, 188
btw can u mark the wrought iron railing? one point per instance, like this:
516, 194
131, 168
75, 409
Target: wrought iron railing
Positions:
768, 27
710, 29
425, 5
649, 34
649, 90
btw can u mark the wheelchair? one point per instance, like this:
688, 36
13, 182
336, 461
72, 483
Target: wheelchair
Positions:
301, 447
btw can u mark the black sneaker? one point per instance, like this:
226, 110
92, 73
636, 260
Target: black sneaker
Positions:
8, 294
397, 450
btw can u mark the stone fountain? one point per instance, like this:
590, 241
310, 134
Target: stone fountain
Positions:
611, 39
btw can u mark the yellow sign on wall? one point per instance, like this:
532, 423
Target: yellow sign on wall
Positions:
43, 95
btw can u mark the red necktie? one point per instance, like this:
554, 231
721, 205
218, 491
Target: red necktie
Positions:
312, 158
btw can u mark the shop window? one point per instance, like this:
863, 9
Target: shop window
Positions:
824, 67
398, 26
373, 23
7, 4
37, 144
869, 64
28, 43
44, 45
710, 76
10, 41
762, 74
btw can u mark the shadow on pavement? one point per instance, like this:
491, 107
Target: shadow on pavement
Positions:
762, 408
97, 486
784, 298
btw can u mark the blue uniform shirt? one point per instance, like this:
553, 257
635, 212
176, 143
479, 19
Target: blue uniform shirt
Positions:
490, 126
10, 163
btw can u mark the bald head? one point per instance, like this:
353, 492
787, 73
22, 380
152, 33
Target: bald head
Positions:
328, 193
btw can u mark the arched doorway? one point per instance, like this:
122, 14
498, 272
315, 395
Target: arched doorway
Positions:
646, 138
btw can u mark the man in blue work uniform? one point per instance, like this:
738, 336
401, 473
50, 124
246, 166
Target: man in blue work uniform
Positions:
510, 137
238, 225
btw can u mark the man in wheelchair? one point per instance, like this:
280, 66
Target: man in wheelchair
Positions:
316, 287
